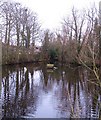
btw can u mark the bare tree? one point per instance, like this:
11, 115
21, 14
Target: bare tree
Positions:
21, 26
7, 20
74, 27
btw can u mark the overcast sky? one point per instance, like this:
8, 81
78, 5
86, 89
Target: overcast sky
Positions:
51, 12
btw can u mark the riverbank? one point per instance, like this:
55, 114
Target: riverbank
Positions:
15, 55
19, 55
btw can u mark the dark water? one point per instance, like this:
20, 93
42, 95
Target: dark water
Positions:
33, 91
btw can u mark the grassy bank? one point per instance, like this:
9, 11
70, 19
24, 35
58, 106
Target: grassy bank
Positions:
13, 54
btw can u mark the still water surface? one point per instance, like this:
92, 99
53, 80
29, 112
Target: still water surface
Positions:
33, 91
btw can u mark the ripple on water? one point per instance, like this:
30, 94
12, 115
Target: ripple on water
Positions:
28, 116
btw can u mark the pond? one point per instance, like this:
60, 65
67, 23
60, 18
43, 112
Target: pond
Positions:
33, 91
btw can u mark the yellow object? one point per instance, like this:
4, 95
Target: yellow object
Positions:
50, 65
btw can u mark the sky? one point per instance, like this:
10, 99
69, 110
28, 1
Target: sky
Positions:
52, 12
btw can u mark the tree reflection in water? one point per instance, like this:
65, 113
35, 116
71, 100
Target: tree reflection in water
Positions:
30, 90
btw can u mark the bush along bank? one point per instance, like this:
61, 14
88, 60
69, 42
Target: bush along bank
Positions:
13, 54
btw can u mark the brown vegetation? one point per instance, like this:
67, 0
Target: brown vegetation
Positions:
14, 54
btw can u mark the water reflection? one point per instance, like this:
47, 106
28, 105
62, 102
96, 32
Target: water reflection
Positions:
32, 91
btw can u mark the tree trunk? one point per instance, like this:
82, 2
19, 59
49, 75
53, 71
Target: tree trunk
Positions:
17, 33
6, 31
9, 31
